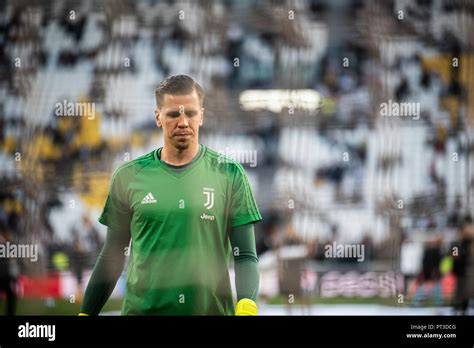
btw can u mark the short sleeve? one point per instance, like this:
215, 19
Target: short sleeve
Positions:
244, 209
116, 213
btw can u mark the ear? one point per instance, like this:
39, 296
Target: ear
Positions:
158, 118
202, 117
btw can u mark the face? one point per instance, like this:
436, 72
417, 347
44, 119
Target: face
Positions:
180, 116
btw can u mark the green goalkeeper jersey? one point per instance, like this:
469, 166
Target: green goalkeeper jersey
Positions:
179, 223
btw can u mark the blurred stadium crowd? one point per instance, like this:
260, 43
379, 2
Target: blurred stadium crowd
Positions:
342, 173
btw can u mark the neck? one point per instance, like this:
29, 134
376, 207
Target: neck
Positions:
179, 157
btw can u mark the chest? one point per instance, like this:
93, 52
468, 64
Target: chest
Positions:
155, 196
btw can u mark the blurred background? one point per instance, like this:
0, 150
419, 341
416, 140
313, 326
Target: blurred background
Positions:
297, 91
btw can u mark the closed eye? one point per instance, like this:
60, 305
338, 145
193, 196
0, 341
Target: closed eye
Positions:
173, 114
190, 113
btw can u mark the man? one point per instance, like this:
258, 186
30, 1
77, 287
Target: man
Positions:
7, 279
185, 208
463, 267
430, 274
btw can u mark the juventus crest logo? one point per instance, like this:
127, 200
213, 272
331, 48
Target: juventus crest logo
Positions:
209, 193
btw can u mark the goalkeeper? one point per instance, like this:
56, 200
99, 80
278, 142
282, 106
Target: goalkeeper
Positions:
186, 209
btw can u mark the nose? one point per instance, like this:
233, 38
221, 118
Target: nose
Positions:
182, 121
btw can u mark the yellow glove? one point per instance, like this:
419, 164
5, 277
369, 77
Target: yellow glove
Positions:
246, 307
83, 315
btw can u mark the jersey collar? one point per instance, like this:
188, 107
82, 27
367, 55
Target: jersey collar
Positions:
189, 166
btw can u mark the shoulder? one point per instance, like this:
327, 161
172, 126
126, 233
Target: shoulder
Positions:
223, 163
134, 166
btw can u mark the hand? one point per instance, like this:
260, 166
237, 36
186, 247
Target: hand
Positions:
246, 307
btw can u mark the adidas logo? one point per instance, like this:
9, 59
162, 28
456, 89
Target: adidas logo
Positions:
148, 199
